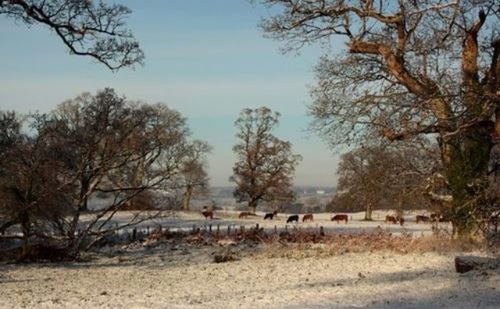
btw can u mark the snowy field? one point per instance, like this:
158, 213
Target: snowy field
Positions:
186, 221
192, 280
185, 276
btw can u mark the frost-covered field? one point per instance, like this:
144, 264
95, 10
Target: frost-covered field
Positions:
184, 280
178, 275
186, 221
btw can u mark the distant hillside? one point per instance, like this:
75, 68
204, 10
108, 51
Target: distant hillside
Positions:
226, 192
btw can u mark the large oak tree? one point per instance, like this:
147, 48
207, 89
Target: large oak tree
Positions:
408, 68
265, 164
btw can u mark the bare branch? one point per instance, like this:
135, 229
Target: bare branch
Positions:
97, 31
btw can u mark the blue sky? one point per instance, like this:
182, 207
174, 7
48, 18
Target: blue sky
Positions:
207, 59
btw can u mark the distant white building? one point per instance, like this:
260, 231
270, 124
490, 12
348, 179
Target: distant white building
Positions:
320, 192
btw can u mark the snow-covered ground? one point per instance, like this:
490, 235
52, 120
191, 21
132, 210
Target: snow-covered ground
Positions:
174, 275
186, 221
183, 280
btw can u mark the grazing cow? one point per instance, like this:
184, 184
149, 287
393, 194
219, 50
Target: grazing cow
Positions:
270, 215
292, 218
401, 220
422, 218
390, 219
434, 217
307, 217
207, 213
339, 218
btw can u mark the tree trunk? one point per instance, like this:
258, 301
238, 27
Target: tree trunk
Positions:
187, 198
466, 157
85, 183
74, 242
85, 205
252, 206
368, 212
26, 230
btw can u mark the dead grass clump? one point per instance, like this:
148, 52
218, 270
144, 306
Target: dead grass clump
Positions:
226, 256
365, 242
159, 235
45, 252
307, 243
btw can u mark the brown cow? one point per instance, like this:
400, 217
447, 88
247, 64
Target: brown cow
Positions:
339, 218
207, 213
401, 220
422, 218
434, 217
390, 219
307, 217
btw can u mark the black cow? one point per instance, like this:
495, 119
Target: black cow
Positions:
293, 218
270, 215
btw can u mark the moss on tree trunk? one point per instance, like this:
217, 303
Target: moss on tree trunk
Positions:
467, 162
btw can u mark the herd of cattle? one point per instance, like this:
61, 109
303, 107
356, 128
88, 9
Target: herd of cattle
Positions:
394, 219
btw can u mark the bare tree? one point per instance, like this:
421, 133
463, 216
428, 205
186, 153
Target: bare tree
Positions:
194, 177
410, 68
266, 164
360, 173
381, 176
160, 148
87, 28
34, 193
10, 126
126, 150
103, 144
